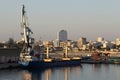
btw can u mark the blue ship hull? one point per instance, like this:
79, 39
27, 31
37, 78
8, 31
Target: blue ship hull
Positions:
41, 64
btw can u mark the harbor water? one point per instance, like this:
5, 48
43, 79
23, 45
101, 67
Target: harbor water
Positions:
81, 72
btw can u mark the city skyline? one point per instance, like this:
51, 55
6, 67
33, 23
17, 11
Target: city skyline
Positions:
89, 18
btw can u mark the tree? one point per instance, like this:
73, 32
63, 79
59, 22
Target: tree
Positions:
11, 42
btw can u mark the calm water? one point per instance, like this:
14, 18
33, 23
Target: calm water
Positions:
83, 72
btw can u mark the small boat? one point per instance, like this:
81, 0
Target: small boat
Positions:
28, 59
112, 60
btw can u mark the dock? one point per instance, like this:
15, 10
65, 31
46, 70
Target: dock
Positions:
9, 66
56, 56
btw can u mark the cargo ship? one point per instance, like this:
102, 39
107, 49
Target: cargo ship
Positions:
29, 59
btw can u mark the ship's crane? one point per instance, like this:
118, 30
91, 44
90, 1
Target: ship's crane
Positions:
27, 32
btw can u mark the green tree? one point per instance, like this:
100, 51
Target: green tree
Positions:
11, 42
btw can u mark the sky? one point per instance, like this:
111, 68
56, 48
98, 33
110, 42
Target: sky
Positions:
80, 18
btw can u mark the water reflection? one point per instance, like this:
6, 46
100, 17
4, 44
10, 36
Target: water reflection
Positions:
47, 74
96, 67
63, 73
84, 72
26, 75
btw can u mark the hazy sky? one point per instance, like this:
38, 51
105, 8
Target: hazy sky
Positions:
81, 18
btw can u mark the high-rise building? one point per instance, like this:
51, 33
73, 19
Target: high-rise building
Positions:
56, 43
62, 35
100, 39
82, 41
117, 41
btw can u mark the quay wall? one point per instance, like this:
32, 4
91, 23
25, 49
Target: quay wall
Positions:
9, 55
